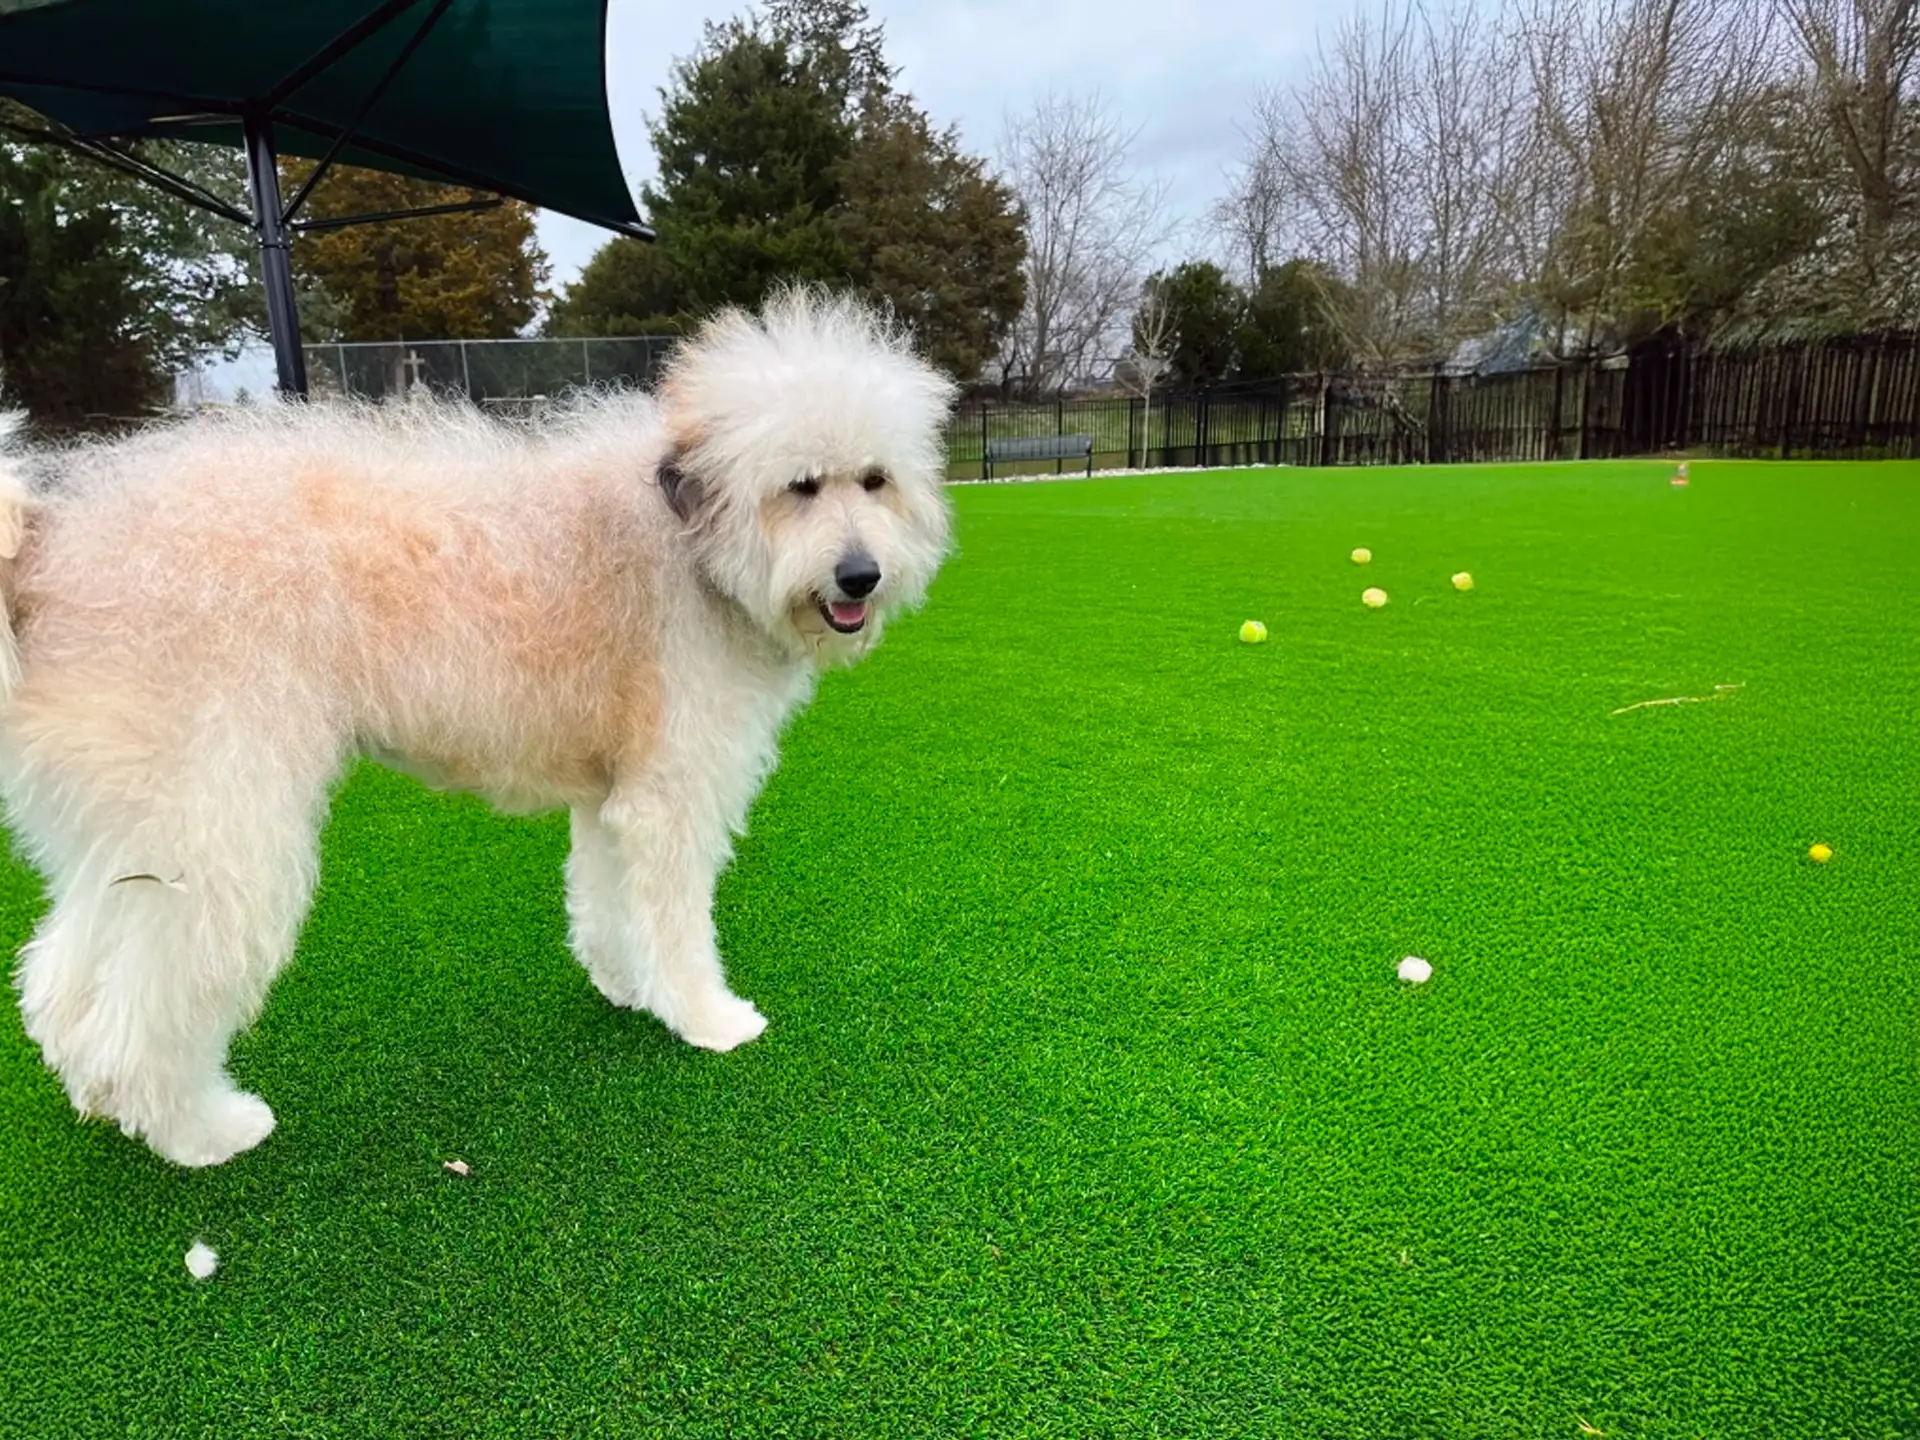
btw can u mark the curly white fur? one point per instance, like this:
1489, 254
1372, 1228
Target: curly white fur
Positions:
614, 610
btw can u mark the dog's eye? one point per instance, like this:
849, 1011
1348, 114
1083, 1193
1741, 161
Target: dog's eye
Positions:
872, 481
805, 488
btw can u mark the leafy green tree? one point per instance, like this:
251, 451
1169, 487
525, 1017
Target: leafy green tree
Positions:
1704, 257
1697, 261
933, 234
1203, 321
847, 47
750, 141
107, 286
785, 153
628, 288
1291, 322
72, 345
471, 276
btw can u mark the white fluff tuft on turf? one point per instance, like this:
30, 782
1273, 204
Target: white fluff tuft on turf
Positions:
202, 1260
1415, 970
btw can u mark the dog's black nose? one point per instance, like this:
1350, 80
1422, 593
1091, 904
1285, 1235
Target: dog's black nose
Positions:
856, 576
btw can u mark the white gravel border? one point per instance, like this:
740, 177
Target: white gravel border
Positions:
1105, 474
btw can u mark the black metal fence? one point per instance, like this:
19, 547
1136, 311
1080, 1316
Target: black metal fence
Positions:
1853, 397
1858, 397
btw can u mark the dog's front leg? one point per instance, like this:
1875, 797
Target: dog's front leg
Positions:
643, 874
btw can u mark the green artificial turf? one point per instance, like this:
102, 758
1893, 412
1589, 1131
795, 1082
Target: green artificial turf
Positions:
1091, 1105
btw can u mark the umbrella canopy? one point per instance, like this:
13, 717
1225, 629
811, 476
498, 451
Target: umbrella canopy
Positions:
507, 96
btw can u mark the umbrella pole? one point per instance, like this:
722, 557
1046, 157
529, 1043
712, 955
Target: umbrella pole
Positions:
276, 265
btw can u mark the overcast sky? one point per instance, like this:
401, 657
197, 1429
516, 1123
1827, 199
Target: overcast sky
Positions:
1184, 80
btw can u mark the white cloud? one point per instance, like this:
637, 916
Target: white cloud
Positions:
1183, 75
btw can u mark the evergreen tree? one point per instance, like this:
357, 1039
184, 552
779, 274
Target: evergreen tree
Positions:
786, 154
628, 288
750, 143
1203, 321
1291, 323
934, 235
107, 286
471, 276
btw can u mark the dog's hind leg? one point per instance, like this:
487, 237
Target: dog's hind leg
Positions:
599, 912
640, 893
168, 924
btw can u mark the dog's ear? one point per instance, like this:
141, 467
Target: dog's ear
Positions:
683, 491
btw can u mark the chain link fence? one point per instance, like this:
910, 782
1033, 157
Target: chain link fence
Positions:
494, 373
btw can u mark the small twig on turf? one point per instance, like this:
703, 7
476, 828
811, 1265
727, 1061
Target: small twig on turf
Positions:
1718, 692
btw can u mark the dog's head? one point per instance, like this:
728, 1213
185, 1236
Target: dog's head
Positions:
807, 465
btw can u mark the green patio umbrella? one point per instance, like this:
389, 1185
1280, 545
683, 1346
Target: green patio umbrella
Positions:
506, 96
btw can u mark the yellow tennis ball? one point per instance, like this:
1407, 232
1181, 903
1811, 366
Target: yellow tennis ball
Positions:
1373, 598
1820, 854
1362, 555
1253, 632
1463, 581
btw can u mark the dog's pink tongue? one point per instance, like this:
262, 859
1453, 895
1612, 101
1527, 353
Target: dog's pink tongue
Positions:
848, 614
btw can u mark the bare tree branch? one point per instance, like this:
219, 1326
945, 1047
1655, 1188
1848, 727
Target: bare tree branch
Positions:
1450, 163
1152, 354
1635, 101
1091, 224
1864, 55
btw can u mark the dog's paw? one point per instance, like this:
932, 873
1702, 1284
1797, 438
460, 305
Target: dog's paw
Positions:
222, 1127
620, 991
722, 1023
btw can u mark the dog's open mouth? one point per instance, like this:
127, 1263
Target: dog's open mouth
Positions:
849, 617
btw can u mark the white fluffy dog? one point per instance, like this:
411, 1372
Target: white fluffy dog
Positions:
614, 612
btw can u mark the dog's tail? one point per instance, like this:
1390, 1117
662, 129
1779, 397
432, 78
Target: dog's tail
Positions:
16, 502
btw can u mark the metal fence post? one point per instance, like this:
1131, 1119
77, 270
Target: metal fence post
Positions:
1866, 389
985, 472
1553, 424
1436, 418
1586, 409
1790, 412
1329, 424
1683, 403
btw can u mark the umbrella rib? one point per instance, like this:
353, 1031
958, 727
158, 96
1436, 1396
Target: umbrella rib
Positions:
373, 95
323, 58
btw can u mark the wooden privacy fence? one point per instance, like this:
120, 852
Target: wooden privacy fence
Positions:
1852, 398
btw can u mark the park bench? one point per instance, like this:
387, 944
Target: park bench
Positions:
1040, 447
